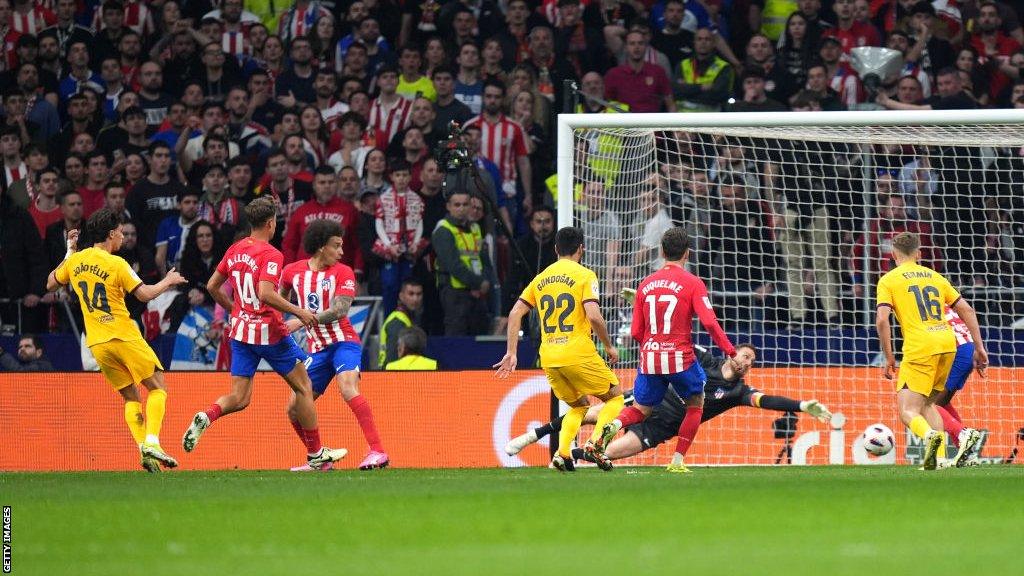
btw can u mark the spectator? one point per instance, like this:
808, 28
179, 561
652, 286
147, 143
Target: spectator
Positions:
10, 154
44, 209
389, 112
843, 78
900, 42
448, 106
601, 227
422, 119
405, 315
538, 247
326, 87
294, 87
251, 137
325, 205
173, 230
400, 234
640, 85
672, 39
931, 52
754, 98
583, 47
79, 74
217, 206
114, 198
989, 41
551, 71
240, 181
199, 258
876, 243
289, 192
97, 175
352, 150
850, 33
128, 137
796, 49
65, 29
324, 40
412, 343
56, 233
38, 104
656, 223
462, 270
706, 79
314, 135
152, 98
218, 74
411, 81
468, 84
141, 260
504, 142
490, 61
967, 61
951, 95
778, 84
23, 266
818, 85
30, 356
155, 197
298, 21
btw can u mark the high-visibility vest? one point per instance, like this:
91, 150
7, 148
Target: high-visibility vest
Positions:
468, 253
412, 362
718, 66
774, 16
269, 11
395, 315
552, 184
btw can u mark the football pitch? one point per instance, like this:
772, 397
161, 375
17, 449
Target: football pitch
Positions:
824, 521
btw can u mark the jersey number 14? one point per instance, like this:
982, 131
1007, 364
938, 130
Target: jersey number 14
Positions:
246, 289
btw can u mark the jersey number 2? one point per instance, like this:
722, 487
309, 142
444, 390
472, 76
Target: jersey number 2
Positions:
548, 304
246, 289
666, 319
99, 297
928, 305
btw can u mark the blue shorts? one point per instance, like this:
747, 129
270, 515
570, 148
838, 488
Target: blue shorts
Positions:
334, 359
282, 356
649, 389
963, 363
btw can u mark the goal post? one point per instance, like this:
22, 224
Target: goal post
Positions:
791, 216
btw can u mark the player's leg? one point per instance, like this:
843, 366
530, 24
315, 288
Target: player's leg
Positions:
561, 385
244, 360
517, 444
915, 380
347, 357
118, 375
320, 371
289, 361
689, 384
146, 369
600, 376
629, 444
648, 392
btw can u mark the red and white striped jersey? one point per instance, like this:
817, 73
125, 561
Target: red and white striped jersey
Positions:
247, 263
9, 60
386, 121
960, 329
235, 44
35, 21
666, 302
16, 173
316, 290
399, 221
847, 84
300, 21
501, 142
137, 16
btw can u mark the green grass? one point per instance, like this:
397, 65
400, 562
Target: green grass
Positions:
825, 521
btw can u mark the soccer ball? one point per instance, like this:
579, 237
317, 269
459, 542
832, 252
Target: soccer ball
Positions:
878, 440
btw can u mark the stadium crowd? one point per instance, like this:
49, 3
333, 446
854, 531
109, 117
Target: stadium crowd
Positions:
176, 113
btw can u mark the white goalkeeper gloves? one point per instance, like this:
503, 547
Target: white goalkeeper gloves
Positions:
816, 409
629, 295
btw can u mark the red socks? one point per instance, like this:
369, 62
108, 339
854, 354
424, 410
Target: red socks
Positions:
361, 408
951, 423
688, 429
214, 412
630, 415
310, 438
952, 412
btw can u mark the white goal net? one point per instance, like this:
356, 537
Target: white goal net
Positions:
790, 217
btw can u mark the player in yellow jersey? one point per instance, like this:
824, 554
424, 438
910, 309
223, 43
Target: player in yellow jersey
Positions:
565, 295
918, 296
100, 280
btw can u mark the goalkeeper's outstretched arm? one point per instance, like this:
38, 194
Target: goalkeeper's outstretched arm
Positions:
784, 404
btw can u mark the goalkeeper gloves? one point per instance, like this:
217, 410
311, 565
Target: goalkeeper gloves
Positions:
816, 409
628, 294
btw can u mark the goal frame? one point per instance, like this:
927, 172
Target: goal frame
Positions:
567, 124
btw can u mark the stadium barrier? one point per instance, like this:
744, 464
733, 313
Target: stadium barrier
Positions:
73, 421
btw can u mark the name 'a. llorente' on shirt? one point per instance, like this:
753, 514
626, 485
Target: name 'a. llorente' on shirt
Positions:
244, 259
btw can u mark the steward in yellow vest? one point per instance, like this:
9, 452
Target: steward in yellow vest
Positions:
412, 342
463, 269
705, 80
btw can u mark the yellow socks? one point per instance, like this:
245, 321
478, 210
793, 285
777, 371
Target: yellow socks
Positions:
155, 406
570, 426
919, 426
608, 413
133, 417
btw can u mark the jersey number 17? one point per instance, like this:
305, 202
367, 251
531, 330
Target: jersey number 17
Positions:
652, 303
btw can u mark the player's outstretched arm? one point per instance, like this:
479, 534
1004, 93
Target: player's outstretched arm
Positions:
885, 337
967, 314
507, 364
784, 404
268, 294
213, 286
600, 328
147, 292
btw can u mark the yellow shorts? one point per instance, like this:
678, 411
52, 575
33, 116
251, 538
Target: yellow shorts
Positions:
926, 374
569, 383
125, 362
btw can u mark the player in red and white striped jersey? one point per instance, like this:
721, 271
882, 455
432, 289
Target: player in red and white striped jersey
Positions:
666, 302
963, 363
258, 333
503, 141
326, 287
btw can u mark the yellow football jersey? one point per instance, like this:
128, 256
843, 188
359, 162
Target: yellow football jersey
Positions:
558, 293
918, 296
101, 280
